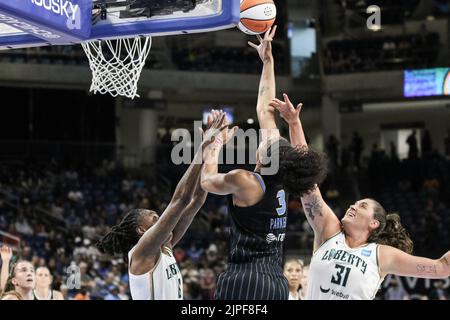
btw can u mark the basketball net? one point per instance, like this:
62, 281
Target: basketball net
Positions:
117, 64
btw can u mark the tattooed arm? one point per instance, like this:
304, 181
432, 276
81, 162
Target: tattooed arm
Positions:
395, 261
320, 216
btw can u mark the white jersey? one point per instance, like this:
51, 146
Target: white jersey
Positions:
338, 272
163, 282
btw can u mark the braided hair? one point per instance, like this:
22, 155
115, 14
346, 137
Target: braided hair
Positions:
123, 236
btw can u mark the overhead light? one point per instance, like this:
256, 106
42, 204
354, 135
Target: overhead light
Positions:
250, 121
375, 27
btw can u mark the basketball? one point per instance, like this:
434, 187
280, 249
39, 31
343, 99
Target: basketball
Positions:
257, 16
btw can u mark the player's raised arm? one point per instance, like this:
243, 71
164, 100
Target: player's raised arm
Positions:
213, 181
320, 216
6, 254
395, 261
267, 86
150, 243
197, 201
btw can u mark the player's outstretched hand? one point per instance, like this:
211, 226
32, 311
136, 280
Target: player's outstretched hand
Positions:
265, 45
6, 253
286, 109
217, 130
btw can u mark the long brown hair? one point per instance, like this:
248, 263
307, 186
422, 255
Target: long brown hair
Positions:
10, 289
390, 232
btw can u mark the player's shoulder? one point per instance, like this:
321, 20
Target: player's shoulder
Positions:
243, 178
57, 295
10, 297
239, 175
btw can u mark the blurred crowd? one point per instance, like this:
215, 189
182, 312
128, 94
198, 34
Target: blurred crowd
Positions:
240, 60
412, 51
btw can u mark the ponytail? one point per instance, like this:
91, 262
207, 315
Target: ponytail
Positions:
390, 232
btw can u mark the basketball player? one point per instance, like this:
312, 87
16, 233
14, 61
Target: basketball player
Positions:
293, 271
21, 282
6, 254
352, 256
257, 203
43, 289
146, 239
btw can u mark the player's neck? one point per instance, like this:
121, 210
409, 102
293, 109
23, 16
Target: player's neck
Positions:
293, 291
355, 240
26, 294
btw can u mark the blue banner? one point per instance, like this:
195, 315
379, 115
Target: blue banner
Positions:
55, 21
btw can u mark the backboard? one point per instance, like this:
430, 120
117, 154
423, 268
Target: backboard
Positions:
28, 23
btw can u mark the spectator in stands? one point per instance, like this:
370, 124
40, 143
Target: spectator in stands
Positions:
393, 151
423, 34
207, 284
396, 291
426, 144
123, 292
447, 145
113, 294
438, 292
345, 158
404, 46
64, 291
23, 227
412, 143
293, 269
304, 283
43, 290
83, 294
332, 147
357, 147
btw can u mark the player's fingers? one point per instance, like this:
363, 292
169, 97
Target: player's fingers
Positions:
251, 44
299, 107
222, 119
267, 34
278, 101
210, 120
223, 128
202, 133
286, 98
233, 131
259, 38
274, 30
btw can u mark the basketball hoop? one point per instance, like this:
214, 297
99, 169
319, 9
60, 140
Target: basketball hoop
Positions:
117, 64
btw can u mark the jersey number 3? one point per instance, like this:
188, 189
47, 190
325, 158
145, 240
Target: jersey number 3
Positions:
281, 196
